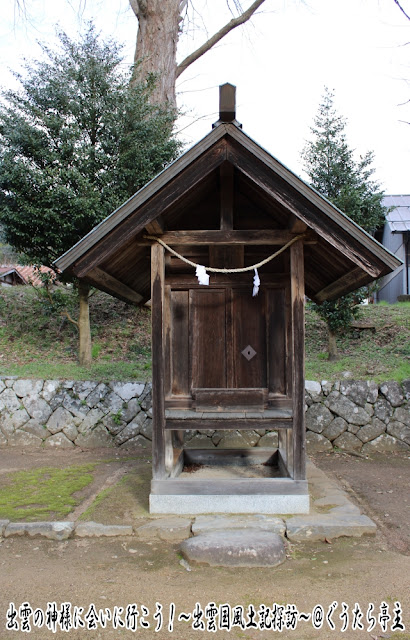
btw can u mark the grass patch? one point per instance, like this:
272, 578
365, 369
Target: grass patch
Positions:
380, 353
101, 371
43, 494
34, 343
37, 343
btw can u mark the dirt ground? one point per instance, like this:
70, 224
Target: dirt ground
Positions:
380, 485
354, 573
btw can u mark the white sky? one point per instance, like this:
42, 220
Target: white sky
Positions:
279, 63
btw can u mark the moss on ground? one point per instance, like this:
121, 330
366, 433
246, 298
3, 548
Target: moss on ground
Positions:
43, 494
123, 502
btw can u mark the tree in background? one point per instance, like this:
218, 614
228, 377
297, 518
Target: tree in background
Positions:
7, 254
348, 184
75, 142
160, 24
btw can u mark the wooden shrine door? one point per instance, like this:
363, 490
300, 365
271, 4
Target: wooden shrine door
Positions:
227, 348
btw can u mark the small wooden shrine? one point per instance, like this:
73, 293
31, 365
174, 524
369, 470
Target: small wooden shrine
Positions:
223, 358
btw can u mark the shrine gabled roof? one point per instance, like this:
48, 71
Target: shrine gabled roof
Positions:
113, 258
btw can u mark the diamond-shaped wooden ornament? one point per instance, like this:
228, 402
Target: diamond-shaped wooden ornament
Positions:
249, 352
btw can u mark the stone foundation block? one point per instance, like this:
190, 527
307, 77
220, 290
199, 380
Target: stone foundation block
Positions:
235, 549
167, 529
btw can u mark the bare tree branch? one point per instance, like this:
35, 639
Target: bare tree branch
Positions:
139, 7
232, 24
21, 6
67, 315
401, 9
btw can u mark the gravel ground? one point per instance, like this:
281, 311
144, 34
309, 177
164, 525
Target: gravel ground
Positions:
121, 571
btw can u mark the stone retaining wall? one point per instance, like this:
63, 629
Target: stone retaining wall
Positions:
358, 416
353, 415
55, 413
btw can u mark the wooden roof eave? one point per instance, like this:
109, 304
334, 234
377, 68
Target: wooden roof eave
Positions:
313, 196
172, 192
347, 237
105, 282
352, 281
67, 260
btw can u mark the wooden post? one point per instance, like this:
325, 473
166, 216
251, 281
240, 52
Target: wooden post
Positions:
159, 471
298, 359
226, 196
285, 446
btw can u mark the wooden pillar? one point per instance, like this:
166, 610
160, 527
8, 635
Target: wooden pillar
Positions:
298, 359
226, 195
285, 446
226, 256
160, 442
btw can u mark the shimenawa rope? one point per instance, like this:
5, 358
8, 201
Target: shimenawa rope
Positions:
215, 269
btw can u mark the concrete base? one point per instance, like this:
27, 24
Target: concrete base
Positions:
243, 481
195, 504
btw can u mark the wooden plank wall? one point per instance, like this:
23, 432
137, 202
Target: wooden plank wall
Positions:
207, 312
179, 347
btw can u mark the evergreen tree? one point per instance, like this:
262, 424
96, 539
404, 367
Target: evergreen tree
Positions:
349, 185
75, 142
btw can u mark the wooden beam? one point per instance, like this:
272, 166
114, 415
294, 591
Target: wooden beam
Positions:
296, 225
297, 289
175, 169
355, 233
226, 195
228, 424
292, 202
162, 457
137, 219
215, 236
106, 281
353, 279
230, 397
156, 226
285, 448
182, 281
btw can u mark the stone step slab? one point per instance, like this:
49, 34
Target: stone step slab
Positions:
208, 524
237, 548
3, 525
167, 529
50, 530
98, 530
320, 526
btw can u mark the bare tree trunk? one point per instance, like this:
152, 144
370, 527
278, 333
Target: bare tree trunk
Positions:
401, 9
332, 346
84, 331
159, 23
156, 48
